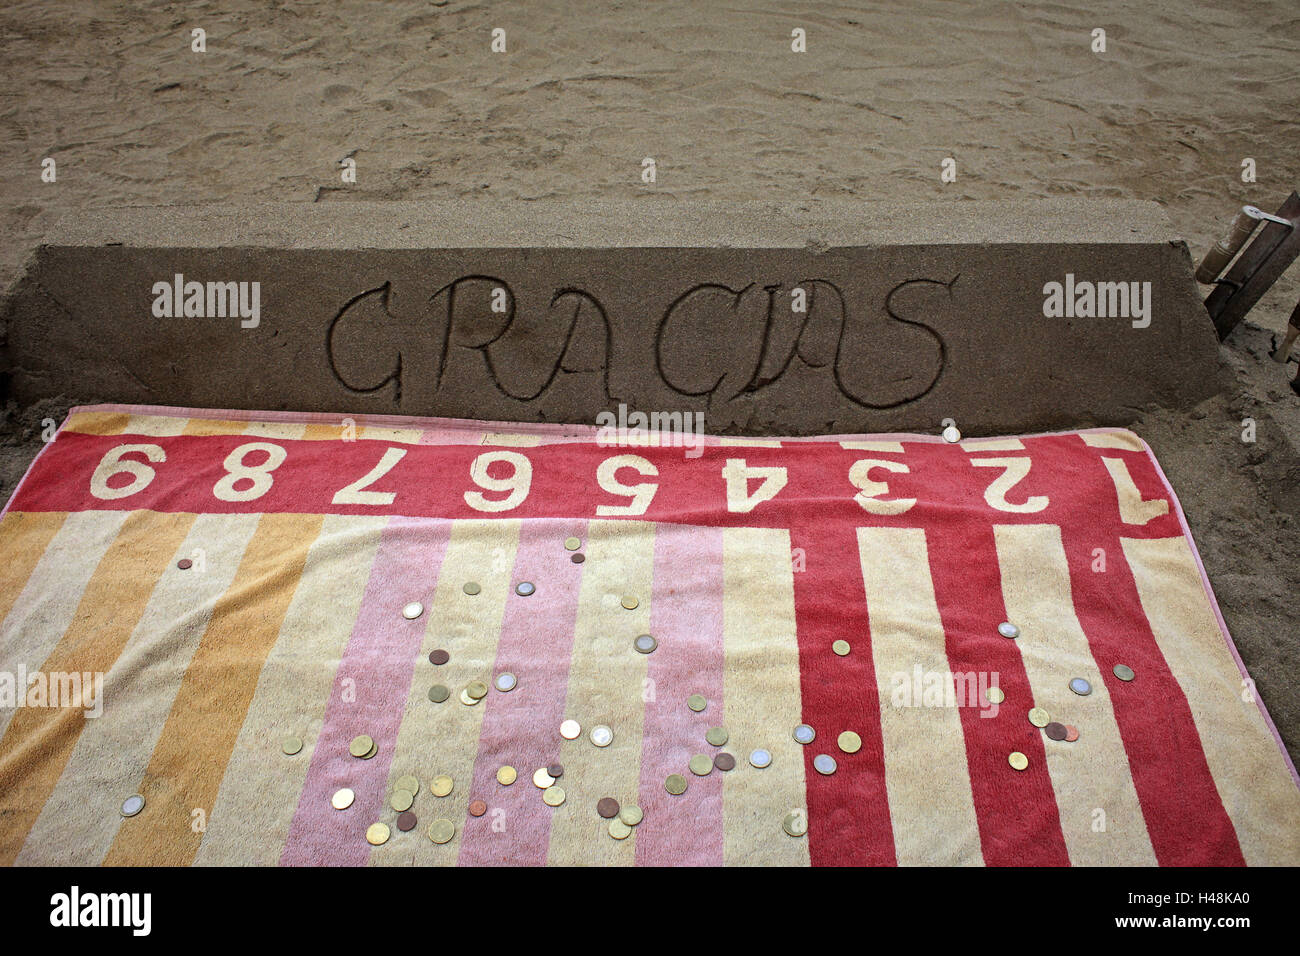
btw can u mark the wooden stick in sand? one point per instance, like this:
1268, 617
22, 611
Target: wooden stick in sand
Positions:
1221, 252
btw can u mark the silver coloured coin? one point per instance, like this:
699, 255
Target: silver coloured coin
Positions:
824, 764
602, 736
1081, 687
804, 734
506, 682
525, 588
132, 805
951, 434
760, 758
1007, 629
412, 610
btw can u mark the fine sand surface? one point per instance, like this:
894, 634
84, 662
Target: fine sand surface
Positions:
712, 91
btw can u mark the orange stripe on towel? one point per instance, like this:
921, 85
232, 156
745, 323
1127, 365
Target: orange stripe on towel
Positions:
39, 740
190, 758
24, 536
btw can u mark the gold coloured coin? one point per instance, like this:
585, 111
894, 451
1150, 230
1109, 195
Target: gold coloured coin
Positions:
701, 765
631, 814
292, 745
850, 742
570, 730
441, 831
572, 544
795, 823
841, 648
438, 693
507, 775
675, 784
342, 799
401, 800
374, 749
441, 785
717, 736
477, 689
619, 830
467, 700
1123, 672
995, 695
377, 834
696, 702
471, 587
553, 796
630, 602
1018, 760
410, 783
542, 779
361, 746
1039, 717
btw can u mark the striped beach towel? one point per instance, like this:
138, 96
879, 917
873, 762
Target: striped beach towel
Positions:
187, 594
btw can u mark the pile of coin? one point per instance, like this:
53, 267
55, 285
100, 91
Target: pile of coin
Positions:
627, 817
404, 791
363, 747
1055, 730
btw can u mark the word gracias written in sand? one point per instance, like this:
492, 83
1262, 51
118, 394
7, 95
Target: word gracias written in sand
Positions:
712, 341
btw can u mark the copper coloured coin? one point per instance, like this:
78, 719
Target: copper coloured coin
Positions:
439, 657
184, 564
578, 558
406, 821
1071, 733
607, 807
724, 761
1056, 731
477, 808
556, 770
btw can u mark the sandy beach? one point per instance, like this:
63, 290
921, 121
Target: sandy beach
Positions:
584, 92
